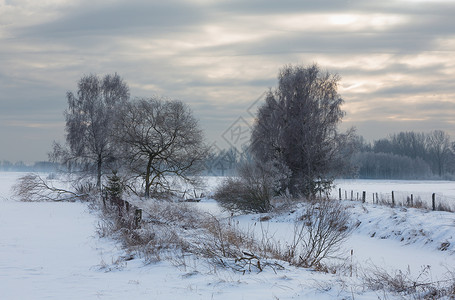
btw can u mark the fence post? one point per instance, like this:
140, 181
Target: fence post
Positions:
393, 199
352, 195
339, 191
377, 198
412, 200
364, 196
345, 195
433, 201
104, 197
137, 217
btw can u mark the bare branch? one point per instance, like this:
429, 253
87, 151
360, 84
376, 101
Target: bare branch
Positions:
32, 187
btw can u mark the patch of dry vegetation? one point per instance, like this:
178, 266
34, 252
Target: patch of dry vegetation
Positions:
170, 229
408, 286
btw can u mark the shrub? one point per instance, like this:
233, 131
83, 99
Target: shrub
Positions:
319, 233
253, 190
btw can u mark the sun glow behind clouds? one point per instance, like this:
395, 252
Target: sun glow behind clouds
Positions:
339, 22
375, 22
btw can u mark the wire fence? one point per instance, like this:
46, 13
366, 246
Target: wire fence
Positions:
425, 200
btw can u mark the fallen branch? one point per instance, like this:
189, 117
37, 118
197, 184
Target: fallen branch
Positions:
32, 188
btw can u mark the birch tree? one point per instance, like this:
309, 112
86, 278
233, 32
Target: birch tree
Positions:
89, 124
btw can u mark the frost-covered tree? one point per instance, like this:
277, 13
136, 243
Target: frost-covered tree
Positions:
89, 124
297, 126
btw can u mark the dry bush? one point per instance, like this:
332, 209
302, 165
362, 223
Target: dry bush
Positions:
403, 283
319, 233
150, 241
418, 203
180, 214
226, 245
255, 187
220, 239
236, 195
444, 207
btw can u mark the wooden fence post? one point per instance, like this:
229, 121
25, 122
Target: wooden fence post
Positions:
364, 196
137, 217
339, 191
345, 195
104, 197
393, 199
412, 200
433, 201
352, 195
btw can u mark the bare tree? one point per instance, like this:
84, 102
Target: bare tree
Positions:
89, 124
160, 138
410, 144
439, 149
297, 125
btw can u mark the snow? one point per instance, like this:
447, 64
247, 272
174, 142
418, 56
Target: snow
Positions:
51, 251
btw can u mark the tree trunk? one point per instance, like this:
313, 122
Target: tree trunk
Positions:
98, 178
147, 178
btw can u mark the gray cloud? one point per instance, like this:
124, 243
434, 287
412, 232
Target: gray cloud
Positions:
120, 18
395, 59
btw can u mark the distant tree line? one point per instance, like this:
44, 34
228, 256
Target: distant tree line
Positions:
406, 155
225, 162
20, 166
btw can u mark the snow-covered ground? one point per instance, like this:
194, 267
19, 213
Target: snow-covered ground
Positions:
51, 251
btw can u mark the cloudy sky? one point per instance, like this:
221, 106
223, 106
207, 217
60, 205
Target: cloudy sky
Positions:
396, 60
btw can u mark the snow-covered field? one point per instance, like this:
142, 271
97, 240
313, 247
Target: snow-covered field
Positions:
51, 251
